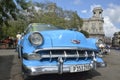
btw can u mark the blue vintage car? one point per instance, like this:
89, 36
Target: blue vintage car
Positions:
47, 49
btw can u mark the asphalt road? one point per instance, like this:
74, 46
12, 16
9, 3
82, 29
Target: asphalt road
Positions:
10, 69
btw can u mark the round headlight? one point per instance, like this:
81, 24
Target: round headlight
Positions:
100, 43
36, 38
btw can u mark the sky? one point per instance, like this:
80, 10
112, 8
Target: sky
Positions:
111, 11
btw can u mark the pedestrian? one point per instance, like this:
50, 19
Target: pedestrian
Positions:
18, 36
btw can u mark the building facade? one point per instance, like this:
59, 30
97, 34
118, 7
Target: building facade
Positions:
94, 25
116, 40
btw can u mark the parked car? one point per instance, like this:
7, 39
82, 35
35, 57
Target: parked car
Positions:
104, 48
47, 49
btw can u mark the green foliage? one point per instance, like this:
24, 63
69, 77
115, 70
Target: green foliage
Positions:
6, 6
49, 18
76, 21
9, 10
49, 13
14, 27
85, 33
24, 4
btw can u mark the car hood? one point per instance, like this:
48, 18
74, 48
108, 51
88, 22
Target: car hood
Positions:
65, 38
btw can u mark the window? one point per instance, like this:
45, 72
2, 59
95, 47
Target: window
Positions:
100, 28
93, 27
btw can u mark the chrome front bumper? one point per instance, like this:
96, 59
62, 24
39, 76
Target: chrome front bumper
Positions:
33, 71
44, 70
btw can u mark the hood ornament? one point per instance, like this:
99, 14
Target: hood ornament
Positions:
76, 41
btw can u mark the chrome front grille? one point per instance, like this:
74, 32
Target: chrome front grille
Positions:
66, 54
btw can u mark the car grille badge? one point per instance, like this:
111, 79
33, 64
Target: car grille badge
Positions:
76, 41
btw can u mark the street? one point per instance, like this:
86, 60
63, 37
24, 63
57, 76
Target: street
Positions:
10, 69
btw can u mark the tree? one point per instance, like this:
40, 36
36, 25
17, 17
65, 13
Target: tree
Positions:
10, 8
76, 21
19, 13
51, 13
85, 33
14, 27
49, 18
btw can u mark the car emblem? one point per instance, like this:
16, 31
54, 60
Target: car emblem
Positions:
76, 41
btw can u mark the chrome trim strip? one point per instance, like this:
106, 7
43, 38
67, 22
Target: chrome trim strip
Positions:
77, 55
63, 56
64, 48
86, 55
50, 56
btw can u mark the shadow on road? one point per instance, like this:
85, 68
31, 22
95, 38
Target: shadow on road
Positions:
73, 76
6, 63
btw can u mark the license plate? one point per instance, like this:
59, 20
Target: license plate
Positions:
80, 68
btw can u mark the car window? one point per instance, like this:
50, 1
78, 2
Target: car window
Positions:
41, 27
29, 29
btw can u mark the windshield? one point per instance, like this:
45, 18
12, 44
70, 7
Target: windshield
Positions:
41, 27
